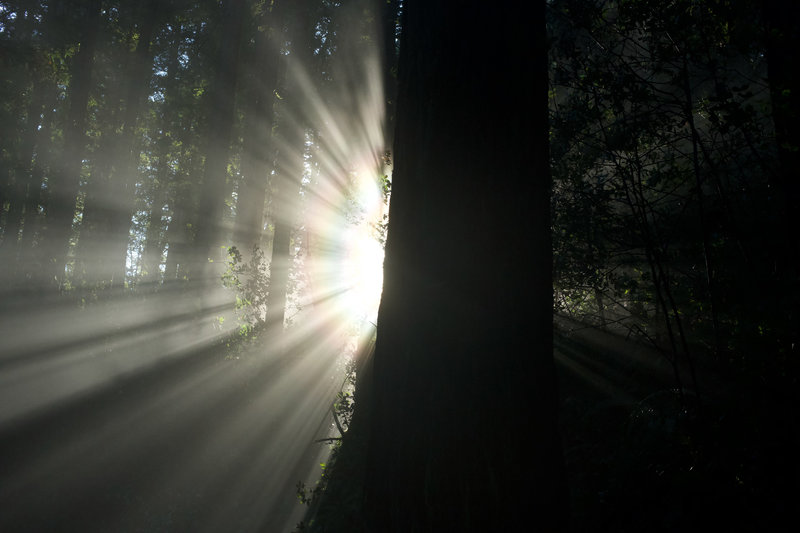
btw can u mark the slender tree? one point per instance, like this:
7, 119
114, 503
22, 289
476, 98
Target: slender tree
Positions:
220, 125
164, 153
24, 184
261, 81
293, 127
116, 202
65, 180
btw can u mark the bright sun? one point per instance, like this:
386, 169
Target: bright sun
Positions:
364, 262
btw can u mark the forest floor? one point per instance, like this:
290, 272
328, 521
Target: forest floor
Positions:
195, 442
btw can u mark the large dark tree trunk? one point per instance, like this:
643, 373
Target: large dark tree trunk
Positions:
464, 397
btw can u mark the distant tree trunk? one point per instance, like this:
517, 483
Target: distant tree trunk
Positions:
24, 186
463, 431
64, 180
13, 183
99, 198
177, 241
124, 182
103, 244
289, 171
5, 186
154, 242
285, 188
262, 80
221, 120
166, 182
30, 256
278, 277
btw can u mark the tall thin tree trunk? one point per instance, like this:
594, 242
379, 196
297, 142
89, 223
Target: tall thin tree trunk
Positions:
30, 252
108, 212
177, 243
220, 128
64, 180
262, 80
157, 235
24, 186
99, 200
289, 171
128, 166
154, 243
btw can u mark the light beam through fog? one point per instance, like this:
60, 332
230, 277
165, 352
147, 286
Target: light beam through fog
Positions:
125, 409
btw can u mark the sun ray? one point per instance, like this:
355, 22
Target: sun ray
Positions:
147, 397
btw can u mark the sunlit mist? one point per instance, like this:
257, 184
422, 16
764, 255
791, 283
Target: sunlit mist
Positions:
142, 388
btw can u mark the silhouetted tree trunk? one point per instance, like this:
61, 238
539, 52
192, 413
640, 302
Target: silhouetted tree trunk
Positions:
177, 193
783, 39
154, 236
24, 186
14, 184
220, 127
464, 397
29, 258
65, 178
289, 168
261, 79
119, 207
177, 239
278, 277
